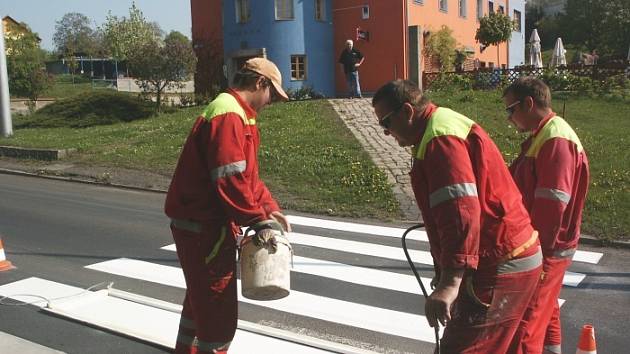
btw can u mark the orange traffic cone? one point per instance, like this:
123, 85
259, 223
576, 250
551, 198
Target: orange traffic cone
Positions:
586, 345
4, 264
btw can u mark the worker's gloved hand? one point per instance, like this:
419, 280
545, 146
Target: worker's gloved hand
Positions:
266, 238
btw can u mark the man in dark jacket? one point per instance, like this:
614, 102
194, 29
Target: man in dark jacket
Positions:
351, 59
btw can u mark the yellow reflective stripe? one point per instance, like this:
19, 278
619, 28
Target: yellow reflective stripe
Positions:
228, 170
443, 121
226, 103
217, 246
556, 127
452, 191
553, 194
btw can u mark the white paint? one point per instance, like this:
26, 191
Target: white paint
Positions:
339, 311
561, 302
154, 324
419, 235
3, 257
587, 257
362, 248
572, 279
360, 275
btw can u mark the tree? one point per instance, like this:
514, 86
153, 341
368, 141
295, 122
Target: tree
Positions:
442, 45
158, 66
601, 25
74, 35
25, 66
125, 36
494, 28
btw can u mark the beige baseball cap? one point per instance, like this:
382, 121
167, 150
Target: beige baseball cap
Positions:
269, 70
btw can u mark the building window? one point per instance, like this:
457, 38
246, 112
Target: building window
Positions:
479, 9
298, 67
242, 11
517, 20
320, 10
501, 9
284, 9
490, 7
443, 5
418, 2
365, 12
462, 8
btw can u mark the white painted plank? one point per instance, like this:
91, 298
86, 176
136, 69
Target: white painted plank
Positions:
136, 320
572, 279
587, 257
419, 235
339, 311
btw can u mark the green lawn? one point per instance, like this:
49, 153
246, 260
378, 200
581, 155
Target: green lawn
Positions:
312, 163
603, 126
309, 160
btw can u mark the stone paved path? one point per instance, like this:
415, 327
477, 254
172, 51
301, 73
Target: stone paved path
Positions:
395, 161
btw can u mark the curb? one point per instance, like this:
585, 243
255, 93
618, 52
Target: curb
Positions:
37, 154
584, 239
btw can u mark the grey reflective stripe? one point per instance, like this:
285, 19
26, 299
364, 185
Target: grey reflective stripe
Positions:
521, 264
187, 340
228, 170
553, 194
564, 253
451, 192
553, 348
186, 323
210, 346
187, 225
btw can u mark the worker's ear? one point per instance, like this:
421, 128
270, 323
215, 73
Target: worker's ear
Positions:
408, 110
529, 103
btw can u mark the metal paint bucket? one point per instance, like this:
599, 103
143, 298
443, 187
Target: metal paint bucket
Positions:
265, 274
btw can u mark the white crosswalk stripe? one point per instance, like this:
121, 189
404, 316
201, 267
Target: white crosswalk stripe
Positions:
341, 247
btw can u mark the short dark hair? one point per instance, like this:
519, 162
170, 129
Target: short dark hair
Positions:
245, 79
532, 87
398, 92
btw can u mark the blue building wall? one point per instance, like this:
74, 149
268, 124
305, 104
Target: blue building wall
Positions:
282, 38
517, 42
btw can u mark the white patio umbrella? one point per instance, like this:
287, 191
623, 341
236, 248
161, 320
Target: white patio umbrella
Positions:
558, 57
535, 55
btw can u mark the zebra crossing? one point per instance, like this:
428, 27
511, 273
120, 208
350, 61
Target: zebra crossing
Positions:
337, 267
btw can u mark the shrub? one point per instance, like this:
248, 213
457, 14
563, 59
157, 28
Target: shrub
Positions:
304, 93
85, 110
451, 82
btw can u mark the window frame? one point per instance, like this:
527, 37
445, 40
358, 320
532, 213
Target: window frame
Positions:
445, 3
294, 70
517, 21
463, 11
418, 2
479, 9
490, 7
320, 9
238, 6
287, 14
365, 12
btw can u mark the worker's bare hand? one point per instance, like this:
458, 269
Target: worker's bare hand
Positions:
282, 219
438, 305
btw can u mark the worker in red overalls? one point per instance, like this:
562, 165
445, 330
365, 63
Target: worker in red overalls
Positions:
215, 190
552, 174
481, 238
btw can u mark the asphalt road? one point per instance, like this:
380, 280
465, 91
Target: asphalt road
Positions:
53, 230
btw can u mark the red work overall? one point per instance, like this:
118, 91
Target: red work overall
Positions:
215, 189
552, 175
475, 221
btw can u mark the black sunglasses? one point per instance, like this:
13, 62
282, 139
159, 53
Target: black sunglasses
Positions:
511, 108
386, 120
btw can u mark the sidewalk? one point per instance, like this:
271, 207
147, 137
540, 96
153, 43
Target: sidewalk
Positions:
13, 344
395, 161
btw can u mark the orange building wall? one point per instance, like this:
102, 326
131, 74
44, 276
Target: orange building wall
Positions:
429, 17
386, 49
